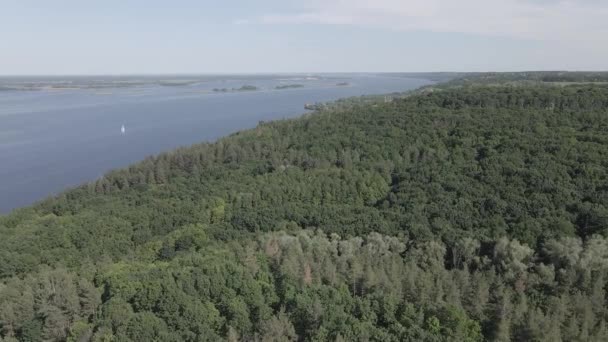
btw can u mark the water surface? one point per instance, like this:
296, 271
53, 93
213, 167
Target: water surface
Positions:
54, 139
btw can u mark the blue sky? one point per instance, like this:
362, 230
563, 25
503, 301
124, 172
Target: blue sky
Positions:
234, 36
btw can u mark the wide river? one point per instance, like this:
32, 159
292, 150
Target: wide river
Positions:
53, 140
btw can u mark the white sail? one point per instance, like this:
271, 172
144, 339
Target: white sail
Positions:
122, 129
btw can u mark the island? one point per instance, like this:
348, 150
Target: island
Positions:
242, 88
288, 86
177, 83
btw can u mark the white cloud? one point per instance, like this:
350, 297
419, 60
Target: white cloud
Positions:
583, 20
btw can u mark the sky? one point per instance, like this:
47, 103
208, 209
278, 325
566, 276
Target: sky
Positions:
65, 37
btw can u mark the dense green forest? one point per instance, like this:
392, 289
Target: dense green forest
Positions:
452, 214
534, 78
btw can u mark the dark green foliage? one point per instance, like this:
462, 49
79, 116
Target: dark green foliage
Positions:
523, 78
288, 86
457, 214
242, 88
313, 286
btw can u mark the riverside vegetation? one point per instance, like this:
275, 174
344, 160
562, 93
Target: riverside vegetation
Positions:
458, 214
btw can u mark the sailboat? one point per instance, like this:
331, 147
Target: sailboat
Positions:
122, 130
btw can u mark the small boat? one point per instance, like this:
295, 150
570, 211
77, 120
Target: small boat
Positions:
122, 129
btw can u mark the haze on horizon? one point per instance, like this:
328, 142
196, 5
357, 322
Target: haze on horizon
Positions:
154, 37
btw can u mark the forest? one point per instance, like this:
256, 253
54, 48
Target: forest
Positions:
534, 78
455, 213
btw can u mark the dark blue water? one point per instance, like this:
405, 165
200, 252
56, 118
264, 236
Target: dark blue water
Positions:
52, 140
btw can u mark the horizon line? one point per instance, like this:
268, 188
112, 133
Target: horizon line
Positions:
285, 73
